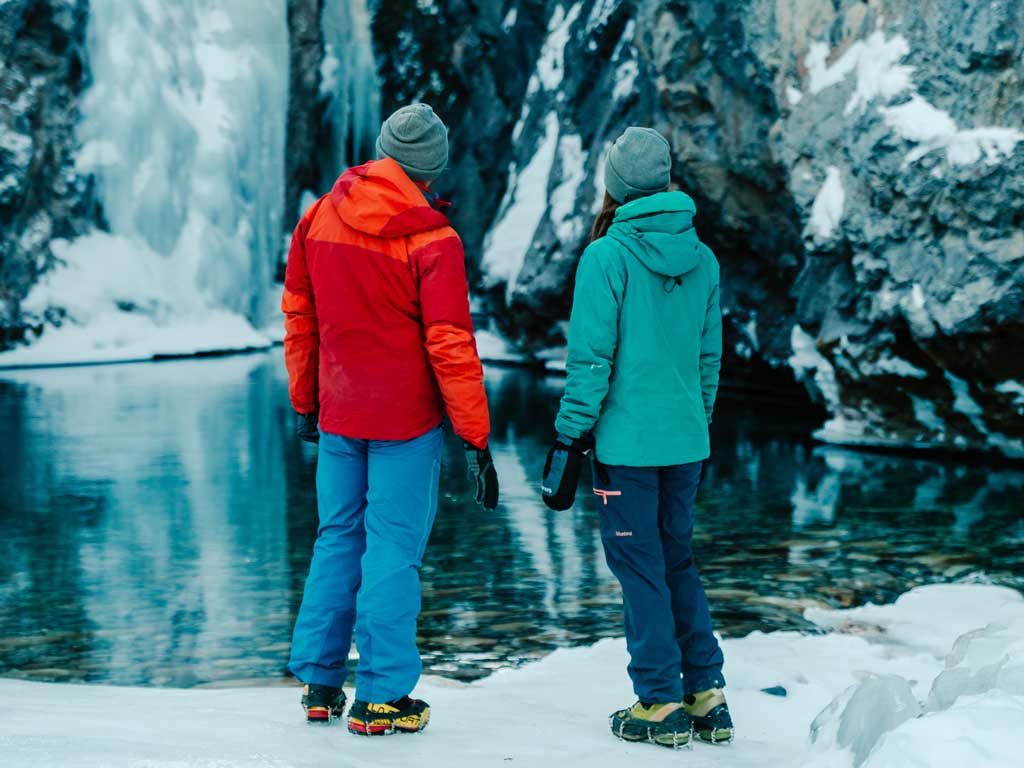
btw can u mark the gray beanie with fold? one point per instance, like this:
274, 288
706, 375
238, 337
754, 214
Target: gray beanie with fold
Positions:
638, 164
416, 139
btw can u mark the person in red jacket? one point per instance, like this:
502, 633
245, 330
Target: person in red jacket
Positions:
379, 345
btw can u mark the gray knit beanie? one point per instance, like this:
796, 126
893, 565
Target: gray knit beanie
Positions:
416, 139
638, 164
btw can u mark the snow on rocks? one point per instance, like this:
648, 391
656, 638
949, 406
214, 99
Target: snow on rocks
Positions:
932, 129
874, 62
524, 206
809, 364
827, 209
878, 74
864, 692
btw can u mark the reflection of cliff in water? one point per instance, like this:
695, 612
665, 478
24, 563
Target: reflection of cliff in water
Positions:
156, 523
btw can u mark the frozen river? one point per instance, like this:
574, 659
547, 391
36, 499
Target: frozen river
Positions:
156, 522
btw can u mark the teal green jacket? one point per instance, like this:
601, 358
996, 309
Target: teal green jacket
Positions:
645, 338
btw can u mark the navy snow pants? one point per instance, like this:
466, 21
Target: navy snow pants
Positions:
647, 529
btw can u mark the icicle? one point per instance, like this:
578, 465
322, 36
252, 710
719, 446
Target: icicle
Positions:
349, 83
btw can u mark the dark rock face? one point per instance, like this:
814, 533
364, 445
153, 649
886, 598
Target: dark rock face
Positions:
473, 70
41, 195
304, 129
857, 168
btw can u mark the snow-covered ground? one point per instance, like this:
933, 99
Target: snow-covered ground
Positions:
873, 691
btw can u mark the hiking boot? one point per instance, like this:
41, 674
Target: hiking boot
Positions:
402, 715
710, 714
664, 724
322, 703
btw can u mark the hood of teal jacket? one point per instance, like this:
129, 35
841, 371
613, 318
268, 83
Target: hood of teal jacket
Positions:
658, 230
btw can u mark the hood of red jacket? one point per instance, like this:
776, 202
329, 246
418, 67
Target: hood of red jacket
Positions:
378, 198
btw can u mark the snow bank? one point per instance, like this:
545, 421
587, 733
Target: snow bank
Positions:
123, 302
864, 687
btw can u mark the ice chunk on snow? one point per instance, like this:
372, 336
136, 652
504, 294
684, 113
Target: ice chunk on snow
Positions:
827, 210
521, 212
510, 19
976, 732
982, 660
860, 716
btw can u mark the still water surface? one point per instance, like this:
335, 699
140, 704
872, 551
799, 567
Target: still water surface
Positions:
156, 522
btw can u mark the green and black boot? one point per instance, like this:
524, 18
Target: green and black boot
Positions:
664, 724
322, 703
710, 714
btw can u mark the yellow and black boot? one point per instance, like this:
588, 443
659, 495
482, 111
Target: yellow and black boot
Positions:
664, 724
710, 714
322, 703
402, 715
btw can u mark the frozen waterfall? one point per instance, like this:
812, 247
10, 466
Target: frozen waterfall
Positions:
348, 84
183, 128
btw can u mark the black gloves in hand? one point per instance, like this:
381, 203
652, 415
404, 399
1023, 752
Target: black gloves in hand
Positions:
481, 470
306, 427
562, 470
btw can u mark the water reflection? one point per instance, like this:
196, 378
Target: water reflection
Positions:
156, 523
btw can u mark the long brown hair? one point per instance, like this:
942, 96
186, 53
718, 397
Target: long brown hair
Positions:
604, 217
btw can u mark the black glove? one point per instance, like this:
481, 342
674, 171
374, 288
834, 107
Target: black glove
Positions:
306, 427
562, 470
481, 470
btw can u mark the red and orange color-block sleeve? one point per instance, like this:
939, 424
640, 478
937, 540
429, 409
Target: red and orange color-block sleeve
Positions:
302, 332
451, 348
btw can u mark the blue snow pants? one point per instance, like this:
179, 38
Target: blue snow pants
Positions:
647, 530
376, 500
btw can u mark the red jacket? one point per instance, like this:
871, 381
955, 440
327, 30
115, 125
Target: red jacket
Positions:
378, 333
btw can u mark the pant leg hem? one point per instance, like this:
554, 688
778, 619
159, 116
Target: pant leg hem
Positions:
311, 675
696, 683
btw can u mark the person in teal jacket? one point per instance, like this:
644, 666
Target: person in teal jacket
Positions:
645, 348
